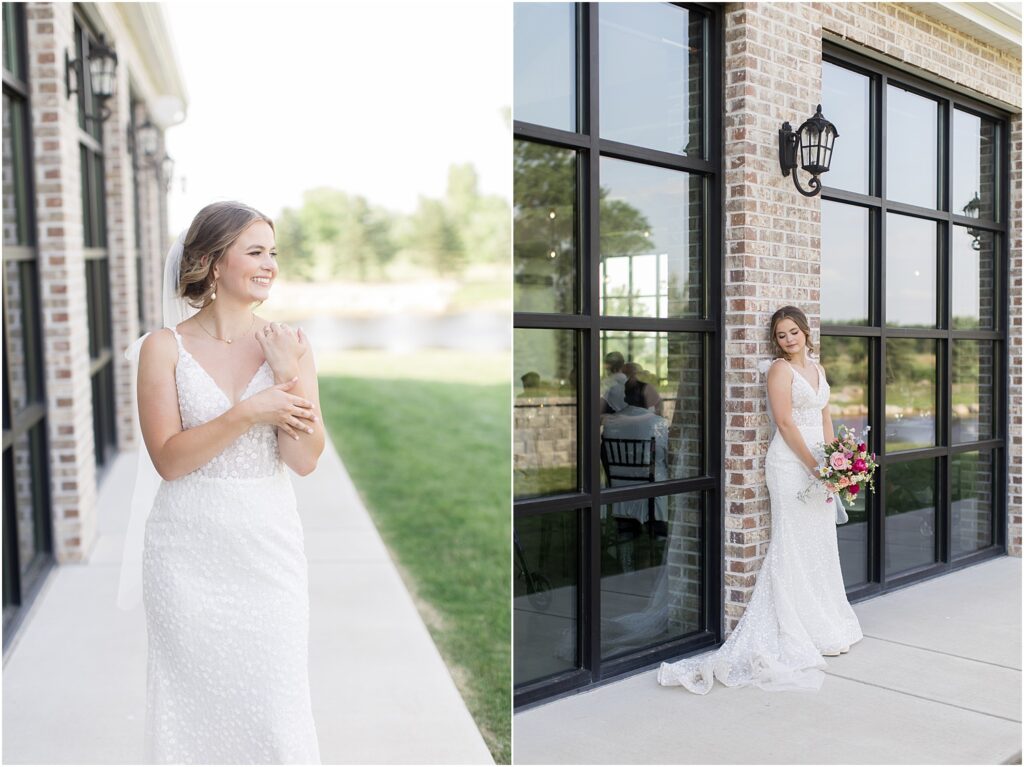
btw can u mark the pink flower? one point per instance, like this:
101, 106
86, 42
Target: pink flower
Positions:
844, 481
838, 461
860, 465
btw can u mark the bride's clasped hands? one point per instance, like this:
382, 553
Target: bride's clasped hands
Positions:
283, 348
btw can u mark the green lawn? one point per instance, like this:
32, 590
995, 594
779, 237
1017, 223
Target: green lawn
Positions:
426, 438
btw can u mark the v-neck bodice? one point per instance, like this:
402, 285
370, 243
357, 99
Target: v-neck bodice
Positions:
200, 399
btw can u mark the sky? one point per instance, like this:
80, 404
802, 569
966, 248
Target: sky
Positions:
376, 100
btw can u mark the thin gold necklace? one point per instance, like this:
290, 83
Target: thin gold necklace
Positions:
225, 340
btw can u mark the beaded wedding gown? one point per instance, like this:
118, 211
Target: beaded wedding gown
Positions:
798, 609
226, 598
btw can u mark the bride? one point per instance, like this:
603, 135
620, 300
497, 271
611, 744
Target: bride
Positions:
798, 611
226, 400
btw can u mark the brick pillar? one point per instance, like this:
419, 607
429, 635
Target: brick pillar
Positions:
121, 254
1013, 490
62, 281
771, 252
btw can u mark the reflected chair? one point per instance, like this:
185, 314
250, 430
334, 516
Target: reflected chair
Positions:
620, 459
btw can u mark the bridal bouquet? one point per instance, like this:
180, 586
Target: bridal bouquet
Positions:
847, 466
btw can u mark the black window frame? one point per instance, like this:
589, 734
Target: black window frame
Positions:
877, 333
588, 324
29, 421
96, 253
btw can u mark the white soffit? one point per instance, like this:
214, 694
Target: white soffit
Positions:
997, 24
148, 27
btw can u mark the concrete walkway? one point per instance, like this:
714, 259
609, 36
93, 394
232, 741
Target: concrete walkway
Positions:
74, 682
936, 680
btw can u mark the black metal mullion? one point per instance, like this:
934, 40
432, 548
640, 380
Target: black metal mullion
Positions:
592, 343
877, 414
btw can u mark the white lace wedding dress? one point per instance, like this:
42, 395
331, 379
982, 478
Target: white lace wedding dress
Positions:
798, 609
226, 600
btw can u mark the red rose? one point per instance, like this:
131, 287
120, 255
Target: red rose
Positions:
854, 489
862, 447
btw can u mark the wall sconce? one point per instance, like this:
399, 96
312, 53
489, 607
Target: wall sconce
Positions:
973, 209
167, 171
813, 142
102, 67
148, 136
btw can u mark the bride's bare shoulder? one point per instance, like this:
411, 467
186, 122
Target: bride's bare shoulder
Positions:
159, 346
775, 370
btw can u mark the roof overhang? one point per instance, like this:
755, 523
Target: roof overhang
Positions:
996, 24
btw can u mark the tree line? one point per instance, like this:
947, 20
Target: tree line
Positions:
335, 235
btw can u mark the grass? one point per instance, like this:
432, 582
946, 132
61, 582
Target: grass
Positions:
426, 438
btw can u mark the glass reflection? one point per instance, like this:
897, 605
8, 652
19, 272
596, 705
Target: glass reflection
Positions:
544, 228
974, 162
25, 500
846, 99
651, 76
910, 280
545, 581
651, 580
909, 515
846, 361
911, 138
544, 84
544, 412
973, 413
910, 366
973, 266
15, 176
651, 391
844, 264
651, 241
973, 477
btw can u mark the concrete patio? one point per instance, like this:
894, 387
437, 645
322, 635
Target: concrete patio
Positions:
936, 680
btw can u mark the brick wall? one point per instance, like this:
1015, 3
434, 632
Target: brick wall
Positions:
1013, 510
772, 245
58, 203
772, 234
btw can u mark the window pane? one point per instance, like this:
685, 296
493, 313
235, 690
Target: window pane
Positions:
910, 281
651, 241
973, 476
545, 408
911, 136
545, 228
909, 393
13, 39
652, 78
973, 392
544, 37
974, 166
544, 595
17, 230
844, 264
21, 324
909, 515
651, 571
651, 389
846, 361
973, 265
26, 503
846, 99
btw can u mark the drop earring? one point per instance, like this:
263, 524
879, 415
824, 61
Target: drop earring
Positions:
213, 295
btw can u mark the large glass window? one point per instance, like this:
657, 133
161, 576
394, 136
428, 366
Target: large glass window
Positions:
97, 269
913, 296
616, 318
26, 506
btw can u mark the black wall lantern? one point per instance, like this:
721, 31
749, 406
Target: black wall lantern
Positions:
102, 67
812, 142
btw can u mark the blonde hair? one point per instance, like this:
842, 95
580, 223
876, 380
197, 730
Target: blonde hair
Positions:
789, 313
214, 229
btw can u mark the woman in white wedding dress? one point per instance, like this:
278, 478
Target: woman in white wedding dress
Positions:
226, 401
798, 611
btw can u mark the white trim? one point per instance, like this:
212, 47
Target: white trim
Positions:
997, 24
